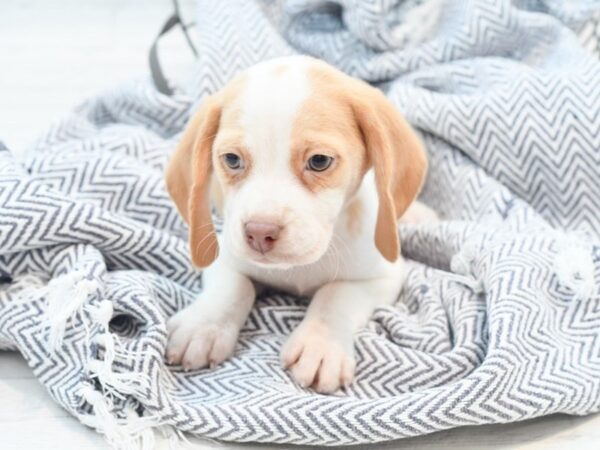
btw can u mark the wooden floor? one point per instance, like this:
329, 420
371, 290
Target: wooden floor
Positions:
55, 53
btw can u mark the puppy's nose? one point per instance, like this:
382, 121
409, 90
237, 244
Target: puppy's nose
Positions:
261, 236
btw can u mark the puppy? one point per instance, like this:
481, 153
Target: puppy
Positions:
310, 170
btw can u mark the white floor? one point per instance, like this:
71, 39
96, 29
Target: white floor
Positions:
52, 55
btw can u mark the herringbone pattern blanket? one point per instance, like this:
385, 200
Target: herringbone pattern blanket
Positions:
500, 317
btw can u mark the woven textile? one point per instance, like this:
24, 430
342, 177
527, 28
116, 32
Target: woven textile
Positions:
499, 320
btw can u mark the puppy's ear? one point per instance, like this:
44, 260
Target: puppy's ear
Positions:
188, 181
398, 158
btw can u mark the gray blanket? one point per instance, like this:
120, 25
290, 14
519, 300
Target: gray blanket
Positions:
499, 320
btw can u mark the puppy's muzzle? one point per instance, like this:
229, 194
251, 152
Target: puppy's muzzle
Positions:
262, 236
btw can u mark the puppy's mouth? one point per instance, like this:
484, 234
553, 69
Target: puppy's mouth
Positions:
266, 262
281, 258
284, 261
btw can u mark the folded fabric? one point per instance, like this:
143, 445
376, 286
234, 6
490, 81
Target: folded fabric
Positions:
500, 317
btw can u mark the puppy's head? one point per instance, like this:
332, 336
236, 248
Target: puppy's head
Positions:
281, 149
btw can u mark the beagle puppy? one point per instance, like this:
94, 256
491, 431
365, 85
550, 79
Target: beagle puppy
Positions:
310, 170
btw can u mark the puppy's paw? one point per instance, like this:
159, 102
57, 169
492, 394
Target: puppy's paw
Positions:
318, 356
195, 342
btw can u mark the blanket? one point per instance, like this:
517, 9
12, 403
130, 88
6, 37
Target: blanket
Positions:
499, 319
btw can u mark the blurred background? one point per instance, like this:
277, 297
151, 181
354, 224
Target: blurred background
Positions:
54, 54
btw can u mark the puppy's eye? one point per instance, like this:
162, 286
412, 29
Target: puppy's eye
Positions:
319, 163
233, 161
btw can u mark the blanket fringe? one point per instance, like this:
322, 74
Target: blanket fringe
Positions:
133, 431
574, 266
65, 296
130, 433
113, 383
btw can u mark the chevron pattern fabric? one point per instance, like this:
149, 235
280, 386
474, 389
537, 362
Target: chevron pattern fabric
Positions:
499, 320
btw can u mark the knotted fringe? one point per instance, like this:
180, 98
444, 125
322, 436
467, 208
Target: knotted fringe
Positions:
574, 266
67, 296
130, 433
113, 383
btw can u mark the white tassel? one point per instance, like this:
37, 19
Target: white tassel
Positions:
174, 437
130, 433
118, 384
146, 433
103, 420
102, 313
574, 267
114, 383
65, 296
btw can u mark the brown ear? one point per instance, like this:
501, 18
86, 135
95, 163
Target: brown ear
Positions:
188, 181
398, 158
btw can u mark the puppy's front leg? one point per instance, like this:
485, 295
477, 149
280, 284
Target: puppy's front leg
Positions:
320, 352
205, 333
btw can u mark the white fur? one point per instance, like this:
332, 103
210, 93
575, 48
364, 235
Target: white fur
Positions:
316, 256
271, 193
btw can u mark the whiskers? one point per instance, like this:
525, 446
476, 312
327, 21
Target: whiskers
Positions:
208, 235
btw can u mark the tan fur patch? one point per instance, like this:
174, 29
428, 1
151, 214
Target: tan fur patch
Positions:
357, 122
230, 138
325, 125
354, 211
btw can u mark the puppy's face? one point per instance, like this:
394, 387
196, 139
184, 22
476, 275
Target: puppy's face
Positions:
287, 156
282, 148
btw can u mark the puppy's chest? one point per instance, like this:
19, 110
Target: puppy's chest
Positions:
352, 261
304, 281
